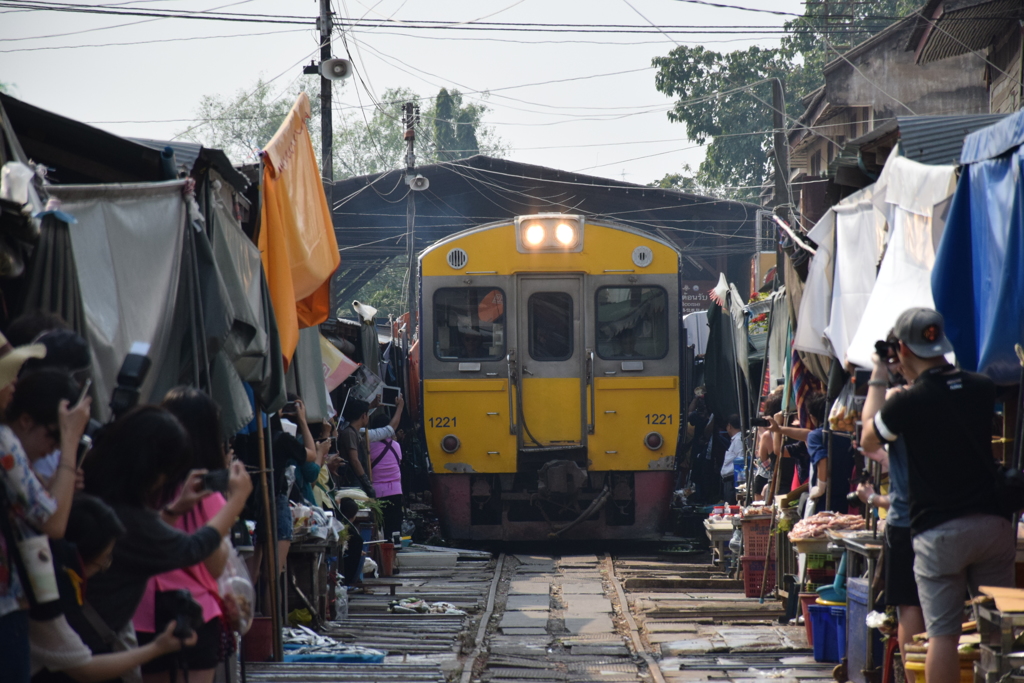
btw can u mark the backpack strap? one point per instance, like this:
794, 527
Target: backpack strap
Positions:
387, 449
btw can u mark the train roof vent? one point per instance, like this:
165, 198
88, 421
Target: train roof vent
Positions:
457, 258
642, 257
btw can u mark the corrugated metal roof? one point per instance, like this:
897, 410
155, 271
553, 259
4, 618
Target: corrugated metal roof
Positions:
939, 139
186, 154
964, 29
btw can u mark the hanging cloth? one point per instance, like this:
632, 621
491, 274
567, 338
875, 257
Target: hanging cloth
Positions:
915, 197
296, 241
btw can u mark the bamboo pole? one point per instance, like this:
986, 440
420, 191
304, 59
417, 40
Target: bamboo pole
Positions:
270, 523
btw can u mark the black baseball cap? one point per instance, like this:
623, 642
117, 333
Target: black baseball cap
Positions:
923, 330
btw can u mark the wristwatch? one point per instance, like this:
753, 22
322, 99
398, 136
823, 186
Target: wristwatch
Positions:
871, 499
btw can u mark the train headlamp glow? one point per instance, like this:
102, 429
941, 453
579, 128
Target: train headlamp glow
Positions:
535, 234
564, 234
549, 232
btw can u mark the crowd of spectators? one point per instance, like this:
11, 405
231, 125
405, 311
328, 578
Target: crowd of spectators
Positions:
111, 535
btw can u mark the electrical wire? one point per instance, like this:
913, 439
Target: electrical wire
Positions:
159, 40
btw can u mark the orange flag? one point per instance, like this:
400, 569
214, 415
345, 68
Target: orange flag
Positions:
296, 241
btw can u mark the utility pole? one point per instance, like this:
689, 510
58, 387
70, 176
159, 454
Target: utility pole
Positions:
326, 124
781, 158
411, 117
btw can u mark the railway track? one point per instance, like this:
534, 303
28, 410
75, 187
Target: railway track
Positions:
574, 617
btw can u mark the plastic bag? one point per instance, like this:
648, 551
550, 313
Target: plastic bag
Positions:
341, 602
846, 410
236, 593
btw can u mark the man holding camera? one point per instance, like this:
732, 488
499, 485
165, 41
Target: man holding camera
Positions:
960, 538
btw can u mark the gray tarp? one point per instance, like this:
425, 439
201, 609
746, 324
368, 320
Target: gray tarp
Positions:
306, 375
259, 361
127, 246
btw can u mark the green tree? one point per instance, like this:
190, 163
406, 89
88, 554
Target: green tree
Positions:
725, 99
365, 142
244, 123
455, 126
385, 292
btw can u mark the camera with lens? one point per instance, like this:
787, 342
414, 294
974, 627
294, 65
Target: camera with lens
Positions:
887, 349
758, 422
129, 380
216, 480
178, 606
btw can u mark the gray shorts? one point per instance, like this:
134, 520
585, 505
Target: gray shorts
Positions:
958, 555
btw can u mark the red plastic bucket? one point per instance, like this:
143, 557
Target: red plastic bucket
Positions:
258, 643
805, 600
387, 559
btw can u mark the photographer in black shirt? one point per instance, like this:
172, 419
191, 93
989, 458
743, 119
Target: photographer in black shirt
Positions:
960, 539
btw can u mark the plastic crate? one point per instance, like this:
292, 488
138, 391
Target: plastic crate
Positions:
858, 606
829, 627
821, 576
753, 574
821, 561
757, 538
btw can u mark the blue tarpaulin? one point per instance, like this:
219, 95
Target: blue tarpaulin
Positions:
978, 279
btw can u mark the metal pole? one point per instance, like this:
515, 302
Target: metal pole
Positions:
780, 157
410, 118
326, 122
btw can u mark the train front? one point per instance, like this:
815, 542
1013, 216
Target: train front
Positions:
550, 370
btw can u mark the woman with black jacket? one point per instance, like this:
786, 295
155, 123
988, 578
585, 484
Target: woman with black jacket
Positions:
135, 469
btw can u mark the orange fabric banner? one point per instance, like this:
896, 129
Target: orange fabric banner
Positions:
297, 242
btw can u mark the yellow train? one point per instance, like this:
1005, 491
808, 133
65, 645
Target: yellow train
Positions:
550, 369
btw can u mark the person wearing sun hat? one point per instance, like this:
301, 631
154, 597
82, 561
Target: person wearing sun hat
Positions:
11, 360
37, 418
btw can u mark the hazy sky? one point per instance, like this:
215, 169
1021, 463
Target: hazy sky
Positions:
610, 125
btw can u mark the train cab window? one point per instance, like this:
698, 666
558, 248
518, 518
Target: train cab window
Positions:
469, 324
632, 323
550, 326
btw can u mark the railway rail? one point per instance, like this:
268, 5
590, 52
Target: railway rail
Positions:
542, 618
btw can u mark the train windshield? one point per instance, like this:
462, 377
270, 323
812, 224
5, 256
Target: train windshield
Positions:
469, 323
550, 326
632, 323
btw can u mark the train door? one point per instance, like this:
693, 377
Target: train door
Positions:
550, 354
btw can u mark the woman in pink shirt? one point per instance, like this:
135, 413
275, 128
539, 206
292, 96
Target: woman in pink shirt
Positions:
200, 416
386, 465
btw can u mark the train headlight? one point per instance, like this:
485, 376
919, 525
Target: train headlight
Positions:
565, 234
549, 232
654, 441
450, 443
535, 235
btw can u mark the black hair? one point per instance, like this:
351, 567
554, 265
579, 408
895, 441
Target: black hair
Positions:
200, 416
355, 409
772, 405
92, 525
29, 325
734, 421
38, 395
65, 350
379, 419
348, 507
129, 460
816, 407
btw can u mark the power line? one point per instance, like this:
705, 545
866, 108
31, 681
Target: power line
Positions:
158, 40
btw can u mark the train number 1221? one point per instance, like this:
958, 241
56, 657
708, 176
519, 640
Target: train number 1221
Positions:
658, 419
442, 422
